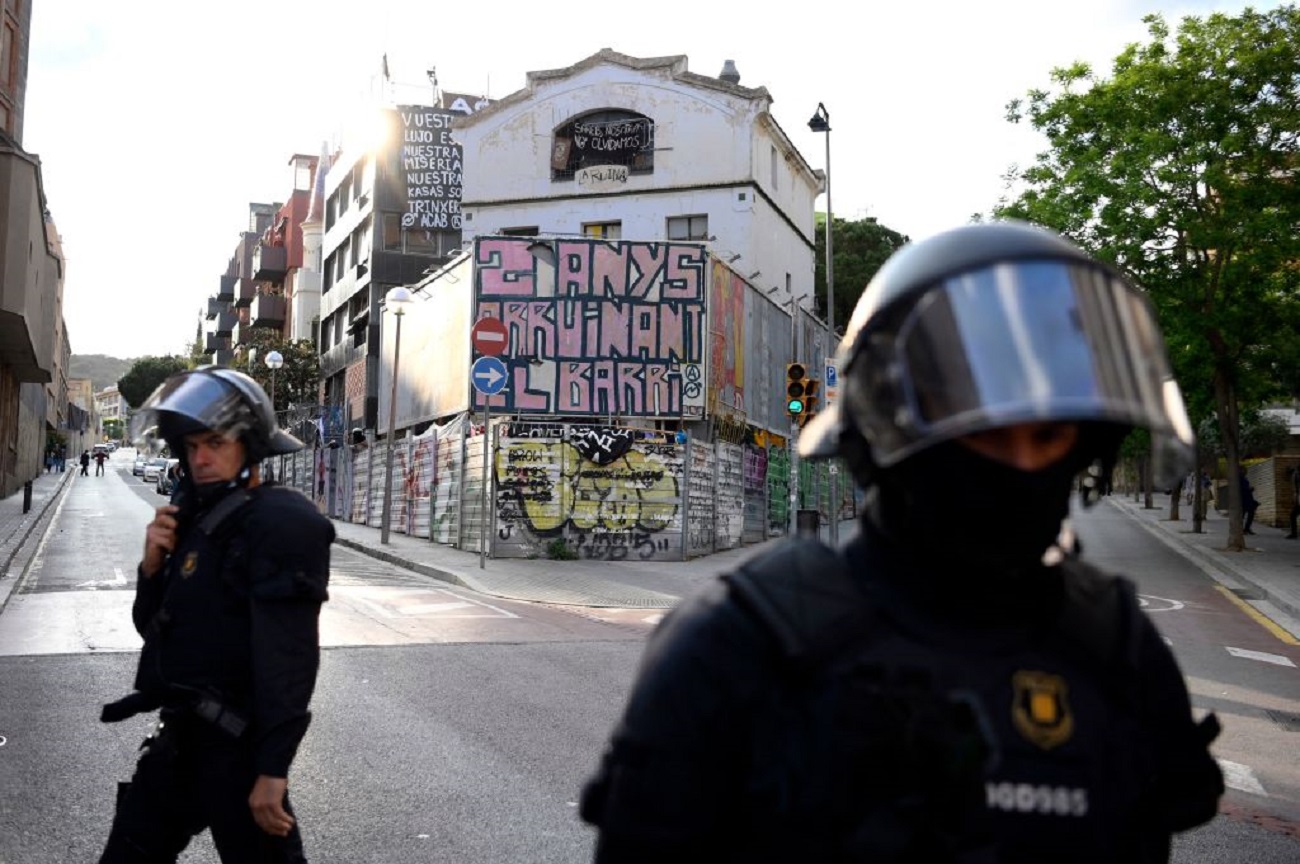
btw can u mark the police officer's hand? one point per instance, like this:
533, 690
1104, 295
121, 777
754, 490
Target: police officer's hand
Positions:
267, 804
159, 539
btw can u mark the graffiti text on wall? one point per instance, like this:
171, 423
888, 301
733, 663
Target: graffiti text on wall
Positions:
613, 329
431, 162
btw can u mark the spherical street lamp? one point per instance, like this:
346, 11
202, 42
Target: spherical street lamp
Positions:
274, 360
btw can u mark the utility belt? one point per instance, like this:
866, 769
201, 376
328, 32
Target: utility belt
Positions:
185, 704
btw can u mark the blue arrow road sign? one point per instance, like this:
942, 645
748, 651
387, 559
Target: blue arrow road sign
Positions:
489, 375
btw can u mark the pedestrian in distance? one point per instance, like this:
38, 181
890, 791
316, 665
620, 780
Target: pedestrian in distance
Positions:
1249, 504
228, 599
1293, 474
85, 463
955, 684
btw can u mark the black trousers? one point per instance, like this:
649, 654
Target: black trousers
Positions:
191, 777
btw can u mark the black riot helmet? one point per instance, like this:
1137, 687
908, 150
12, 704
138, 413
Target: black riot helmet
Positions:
990, 325
217, 399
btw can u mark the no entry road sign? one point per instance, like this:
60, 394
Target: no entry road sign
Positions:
489, 337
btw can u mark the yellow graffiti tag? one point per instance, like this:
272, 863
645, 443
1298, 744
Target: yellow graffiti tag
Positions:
552, 483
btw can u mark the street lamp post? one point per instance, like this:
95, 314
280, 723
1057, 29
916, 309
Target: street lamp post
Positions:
821, 122
395, 299
274, 360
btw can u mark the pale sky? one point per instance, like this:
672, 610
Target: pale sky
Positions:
157, 122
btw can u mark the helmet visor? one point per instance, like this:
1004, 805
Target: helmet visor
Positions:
200, 399
1017, 342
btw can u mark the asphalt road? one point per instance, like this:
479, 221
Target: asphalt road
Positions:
451, 727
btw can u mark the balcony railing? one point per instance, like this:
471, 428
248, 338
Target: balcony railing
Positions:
216, 342
225, 322
268, 310
270, 263
216, 307
241, 333
223, 357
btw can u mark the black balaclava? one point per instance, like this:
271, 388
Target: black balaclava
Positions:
953, 507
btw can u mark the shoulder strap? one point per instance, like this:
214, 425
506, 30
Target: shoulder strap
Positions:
804, 594
1098, 612
226, 507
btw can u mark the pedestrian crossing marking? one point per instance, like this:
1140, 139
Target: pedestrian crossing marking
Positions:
1240, 777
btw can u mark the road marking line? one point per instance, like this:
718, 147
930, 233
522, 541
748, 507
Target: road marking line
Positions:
118, 581
1276, 659
426, 608
1240, 777
1144, 600
1259, 617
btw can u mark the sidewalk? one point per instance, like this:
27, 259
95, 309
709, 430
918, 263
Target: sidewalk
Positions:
617, 584
1267, 574
16, 526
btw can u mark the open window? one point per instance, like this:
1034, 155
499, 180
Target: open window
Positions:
610, 137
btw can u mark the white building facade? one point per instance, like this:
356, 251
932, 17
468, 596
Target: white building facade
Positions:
643, 149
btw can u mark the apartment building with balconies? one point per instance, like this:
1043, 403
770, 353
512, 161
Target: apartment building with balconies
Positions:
391, 215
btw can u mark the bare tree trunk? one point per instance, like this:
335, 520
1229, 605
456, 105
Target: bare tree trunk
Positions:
1229, 428
1175, 498
1148, 470
1198, 494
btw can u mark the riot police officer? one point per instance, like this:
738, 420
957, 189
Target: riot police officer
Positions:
955, 684
228, 600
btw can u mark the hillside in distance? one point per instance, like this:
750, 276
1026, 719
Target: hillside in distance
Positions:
101, 369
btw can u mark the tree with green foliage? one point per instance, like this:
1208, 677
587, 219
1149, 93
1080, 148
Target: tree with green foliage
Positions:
1182, 169
114, 429
861, 247
297, 382
146, 374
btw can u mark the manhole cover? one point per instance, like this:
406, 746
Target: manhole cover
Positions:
1288, 721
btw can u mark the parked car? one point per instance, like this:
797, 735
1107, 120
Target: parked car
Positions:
152, 468
141, 460
167, 478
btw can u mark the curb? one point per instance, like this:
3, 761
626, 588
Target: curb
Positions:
404, 563
519, 588
7, 584
1210, 564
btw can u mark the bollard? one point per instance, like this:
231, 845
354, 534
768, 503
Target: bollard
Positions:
808, 523
27, 496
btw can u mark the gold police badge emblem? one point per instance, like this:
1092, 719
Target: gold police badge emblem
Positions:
189, 565
1040, 709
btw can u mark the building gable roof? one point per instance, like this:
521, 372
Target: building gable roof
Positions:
675, 64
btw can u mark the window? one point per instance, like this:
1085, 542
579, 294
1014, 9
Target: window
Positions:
329, 272
530, 231
7, 58
773, 166
688, 227
390, 225
603, 230
609, 137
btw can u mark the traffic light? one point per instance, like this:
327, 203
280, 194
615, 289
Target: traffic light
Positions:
811, 393
796, 379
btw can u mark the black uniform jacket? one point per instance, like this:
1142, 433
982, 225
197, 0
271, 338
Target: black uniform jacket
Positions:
728, 751
234, 615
